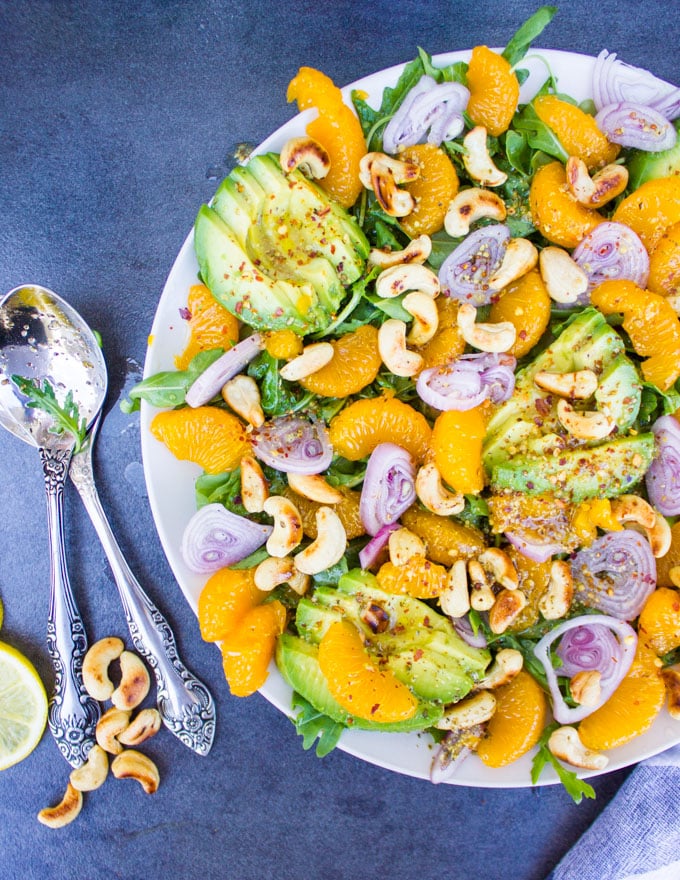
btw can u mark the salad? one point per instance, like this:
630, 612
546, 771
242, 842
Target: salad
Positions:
430, 384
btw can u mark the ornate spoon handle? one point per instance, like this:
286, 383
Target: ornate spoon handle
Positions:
185, 704
73, 714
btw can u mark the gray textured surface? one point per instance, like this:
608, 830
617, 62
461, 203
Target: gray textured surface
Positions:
115, 120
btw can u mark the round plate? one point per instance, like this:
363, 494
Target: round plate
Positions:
171, 482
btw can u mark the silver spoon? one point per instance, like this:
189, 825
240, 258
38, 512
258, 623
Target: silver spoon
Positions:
185, 704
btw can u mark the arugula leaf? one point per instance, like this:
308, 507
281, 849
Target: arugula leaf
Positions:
538, 136
576, 788
66, 416
311, 725
169, 388
525, 35
278, 397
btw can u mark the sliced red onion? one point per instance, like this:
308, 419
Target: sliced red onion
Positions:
614, 81
370, 554
464, 629
609, 252
452, 751
612, 658
465, 273
663, 476
215, 537
230, 364
534, 550
428, 105
389, 487
638, 126
615, 574
293, 444
468, 381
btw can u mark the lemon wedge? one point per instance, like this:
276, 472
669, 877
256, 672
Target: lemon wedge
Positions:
23, 707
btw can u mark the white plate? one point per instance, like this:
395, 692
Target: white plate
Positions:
171, 483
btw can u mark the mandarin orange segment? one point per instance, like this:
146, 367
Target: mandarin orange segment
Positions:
651, 209
659, 623
632, 707
357, 683
447, 344
494, 90
210, 325
419, 578
576, 130
445, 539
670, 560
224, 601
533, 582
664, 263
361, 426
457, 447
210, 437
554, 210
517, 724
248, 650
283, 344
432, 190
526, 305
354, 365
347, 511
336, 128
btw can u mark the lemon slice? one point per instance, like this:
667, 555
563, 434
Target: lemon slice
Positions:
23, 707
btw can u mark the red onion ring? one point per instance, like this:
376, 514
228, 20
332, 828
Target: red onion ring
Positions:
444, 764
428, 105
389, 487
293, 444
615, 574
231, 363
615, 661
370, 554
215, 537
464, 274
468, 381
663, 476
464, 629
637, 126
611, 251
614, 81
534, 550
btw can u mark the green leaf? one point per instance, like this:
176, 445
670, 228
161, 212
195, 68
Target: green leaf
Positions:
312, 725
576, 788
278, 397
169, 388
538, 136
525, 35
66, 416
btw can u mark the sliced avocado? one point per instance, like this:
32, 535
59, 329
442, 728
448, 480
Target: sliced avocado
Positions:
619, 392
298, 663
603, 471
643, 165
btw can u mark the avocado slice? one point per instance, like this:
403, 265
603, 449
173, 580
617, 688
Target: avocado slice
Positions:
643, 165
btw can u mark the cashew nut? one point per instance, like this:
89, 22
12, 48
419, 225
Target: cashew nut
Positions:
556, 600
497, 337
312, 359
497, 563
633, 508
65, 811
507, 663
243, 396
564, 279
476, 709
254, 486
520, 257
586, 425
454, 600
404, 277
470, 205
393, 351
288, 530
482, 596
329, 546
416, 251
96, 667
382, 174
93, 772
273, 572
307, 155
671, 677
425, 317
403, 545
143, 726
477, 160
593, 192
565, 744
585, 687
134, 682
431, 491
659, 537
506, 609
132, 764
109, 727
579, 385
314, 487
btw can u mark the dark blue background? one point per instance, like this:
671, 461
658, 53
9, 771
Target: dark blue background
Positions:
116, 121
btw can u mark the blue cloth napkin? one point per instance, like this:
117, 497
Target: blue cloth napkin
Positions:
637, 835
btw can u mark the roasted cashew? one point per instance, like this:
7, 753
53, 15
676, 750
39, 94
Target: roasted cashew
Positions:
314, 487
477, 160
564, 279
506, 609
520, 257
579, 385
143, 726
307, 155
329, 546
134, 682
497, 337
590, 425
565, 744
403, 545
132, 764
593, 192
425, 317
96, 667
312, 359
506, 665
92, 774
556, 600
393, 351
64, 812
659, 537
431, 491
288, 530
382, 174
454, 600
482, 596
405, 277
416, 251
243, 396
496, 562
254, 486
671, 677
273, 571
585, 687
476, 709
633, 508
109, 727
470, 205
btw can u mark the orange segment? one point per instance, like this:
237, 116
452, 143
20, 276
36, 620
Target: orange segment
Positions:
446, 540
457, 446
447, 343
526, 304
211, 437
210, 325
432, 190
554, 210
419, 578
517, 724
347, 511
224, 601
533, 582
494, 90
576, 130
361, 426
357, 683
336, 128
651, 209
248, 650
659, 623
283, 344
632, 707
354, 365
664, 263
